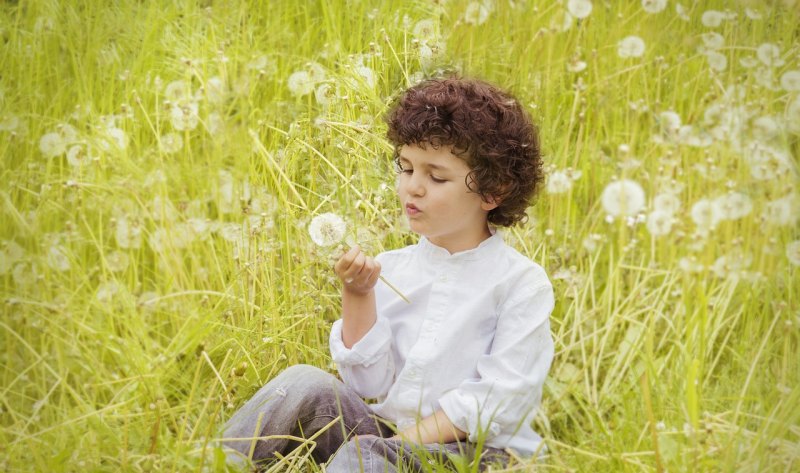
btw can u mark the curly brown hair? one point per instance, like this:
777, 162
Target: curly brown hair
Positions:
486, 127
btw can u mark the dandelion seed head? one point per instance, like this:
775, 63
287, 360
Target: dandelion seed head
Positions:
78, 156
184, 116
732, 206
631, 46
57, 258
683, 14
767, 162
713, 40
425, 30
793, 253
712, 18
324, 94
118, 138
117, 261
659, 223
753, 14
770, 55
107, 290
654, 6
716, 61
477, 13
558, 182
127, 234
790, 81
171, 143
579, 8
666, 202
784, 211
9, 122
52, 145
178, 91
704, 214
623, 198
300, 83
327, 229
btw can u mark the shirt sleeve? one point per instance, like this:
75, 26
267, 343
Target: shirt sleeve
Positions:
367, 366
508, 390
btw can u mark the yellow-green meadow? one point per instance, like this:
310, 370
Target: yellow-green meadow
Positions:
162, 160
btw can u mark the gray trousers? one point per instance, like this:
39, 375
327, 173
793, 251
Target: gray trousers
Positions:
304, 402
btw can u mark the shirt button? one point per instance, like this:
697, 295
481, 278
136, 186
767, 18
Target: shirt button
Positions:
443, 278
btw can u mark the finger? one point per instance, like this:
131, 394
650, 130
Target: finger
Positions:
346, 260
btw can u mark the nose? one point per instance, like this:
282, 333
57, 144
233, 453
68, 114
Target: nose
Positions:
415, 185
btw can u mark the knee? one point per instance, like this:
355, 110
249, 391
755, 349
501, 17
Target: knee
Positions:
305, 378
358, 454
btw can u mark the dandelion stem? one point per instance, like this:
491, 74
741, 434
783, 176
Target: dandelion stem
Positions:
397, 291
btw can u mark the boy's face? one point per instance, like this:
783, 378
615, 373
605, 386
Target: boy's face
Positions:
437, 201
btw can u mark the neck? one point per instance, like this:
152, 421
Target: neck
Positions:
467, 242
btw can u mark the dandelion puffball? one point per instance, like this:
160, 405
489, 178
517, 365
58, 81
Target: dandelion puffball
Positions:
631, 46
327, 229
654, 6
579, 8
623, 197
793, 252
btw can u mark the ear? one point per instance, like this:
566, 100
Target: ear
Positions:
490, 203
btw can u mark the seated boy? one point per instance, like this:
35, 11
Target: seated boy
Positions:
465, 361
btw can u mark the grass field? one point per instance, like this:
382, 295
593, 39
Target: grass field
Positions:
161, 161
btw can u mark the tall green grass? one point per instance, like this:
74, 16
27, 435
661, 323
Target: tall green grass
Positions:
156, 270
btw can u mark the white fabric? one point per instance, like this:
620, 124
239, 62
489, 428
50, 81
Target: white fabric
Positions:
475, 341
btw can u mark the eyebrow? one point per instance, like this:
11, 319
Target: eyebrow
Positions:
430, 165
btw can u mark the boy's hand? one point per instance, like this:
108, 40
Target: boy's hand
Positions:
358, 272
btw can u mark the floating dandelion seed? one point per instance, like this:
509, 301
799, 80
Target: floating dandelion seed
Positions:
654, 6
327, 229
793, 252
712, 18
631, 46
579, 8
623, 198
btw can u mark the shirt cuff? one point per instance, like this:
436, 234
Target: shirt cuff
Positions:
463, 412
372, 346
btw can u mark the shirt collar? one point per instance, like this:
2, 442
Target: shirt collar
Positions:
487, 246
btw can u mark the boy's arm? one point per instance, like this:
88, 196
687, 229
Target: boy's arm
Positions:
359, 274
435, 428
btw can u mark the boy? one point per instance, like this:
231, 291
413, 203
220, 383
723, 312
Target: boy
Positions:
465, 361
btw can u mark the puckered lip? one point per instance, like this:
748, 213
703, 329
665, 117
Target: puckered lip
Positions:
412, 209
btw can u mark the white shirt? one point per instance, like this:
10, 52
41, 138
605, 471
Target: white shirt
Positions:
475, 341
